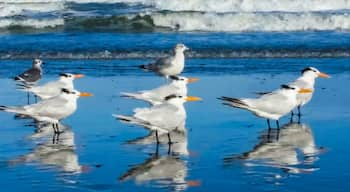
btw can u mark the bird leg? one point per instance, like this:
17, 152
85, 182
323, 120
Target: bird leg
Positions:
54, 128
278, 134
278, 124
268, 123
28, 98
169, 149
157, 138
169, 139
299, 113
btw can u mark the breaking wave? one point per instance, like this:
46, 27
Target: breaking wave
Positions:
179, 15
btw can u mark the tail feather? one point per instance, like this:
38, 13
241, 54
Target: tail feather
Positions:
234, 102
131, 95
262, 93
11, 109
17, 78
123, 118
3, 108
23, 87
145, 67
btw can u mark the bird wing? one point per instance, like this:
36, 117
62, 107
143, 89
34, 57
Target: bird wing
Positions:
270, 103
50, 107
163, 116
30, 75
163, 62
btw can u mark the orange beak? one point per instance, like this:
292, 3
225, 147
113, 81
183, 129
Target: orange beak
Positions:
305, 90
324, 75
193, 183
192, 98
77, 76
192, 80
85, 94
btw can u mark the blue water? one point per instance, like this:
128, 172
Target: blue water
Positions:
217, 135
236, 49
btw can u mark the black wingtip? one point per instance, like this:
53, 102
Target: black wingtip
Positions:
16, 78
123, 119
2, 107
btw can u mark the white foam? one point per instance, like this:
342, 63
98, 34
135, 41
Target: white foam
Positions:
13, 9
251, 5
252, 21
221, 5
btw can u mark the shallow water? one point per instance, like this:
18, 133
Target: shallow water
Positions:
223, 149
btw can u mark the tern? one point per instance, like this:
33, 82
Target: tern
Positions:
162, 118
273, 105
172, 65
52, 89
178, 86
50, 110
307, 81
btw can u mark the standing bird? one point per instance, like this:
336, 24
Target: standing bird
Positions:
306, 80
172, 65
32, 75
178, 86
272, 105
50, 110
162, 118
54, 88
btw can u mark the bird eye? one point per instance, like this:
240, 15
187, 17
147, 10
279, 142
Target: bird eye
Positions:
180, 96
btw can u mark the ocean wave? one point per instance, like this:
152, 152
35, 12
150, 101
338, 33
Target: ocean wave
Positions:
219, 5
194, 21
179, 15
7, 10
153, 54
20, 24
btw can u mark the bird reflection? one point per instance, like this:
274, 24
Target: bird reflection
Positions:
291, 148
179, 139
168, 170
56, 150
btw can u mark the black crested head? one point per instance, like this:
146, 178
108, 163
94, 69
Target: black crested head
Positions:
170, 97
64, 90
284, 86
64, 75
307, 69
173, 77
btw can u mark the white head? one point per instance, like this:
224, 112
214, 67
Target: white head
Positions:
37, 63
68, 77
180, 99
180, 48
74, 94
182, 80
312, 72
